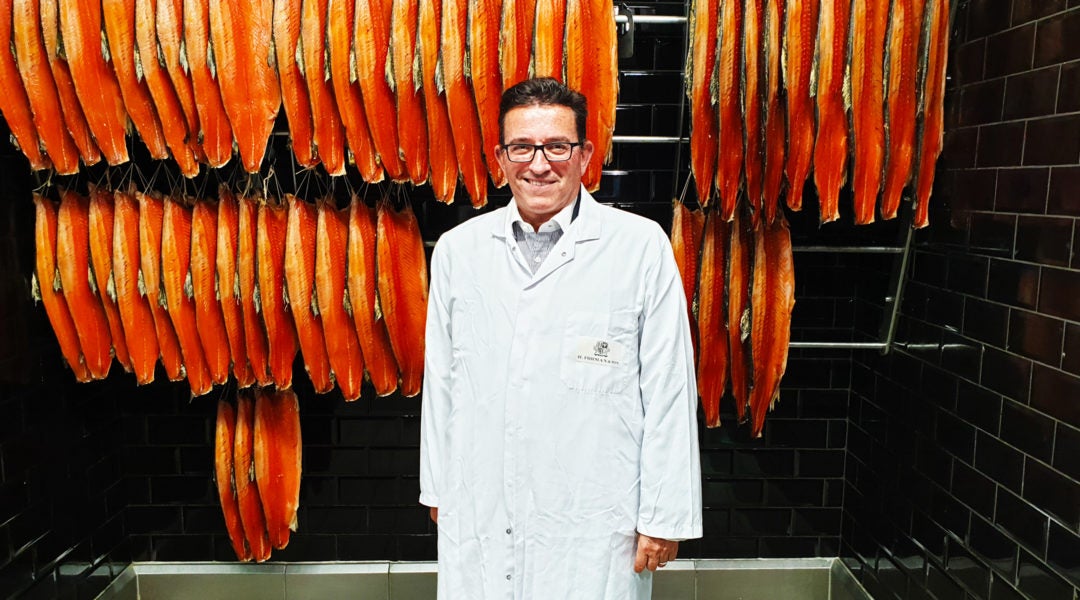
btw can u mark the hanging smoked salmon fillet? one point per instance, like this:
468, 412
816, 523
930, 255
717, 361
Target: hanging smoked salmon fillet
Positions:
277, 455
228, 240
775, 116
459, 100
754, 100
95, 82
869, 19
73, 264
100, 225
294, 93
258, 353
135, 314
214, 134
401, 266
441, 156
248, 499
270, 264
241, 33
483, 43
151, 213
739, 282
592, 69
773, 301
800, 37
119, 16
686, 231
179, 300
700, 65
367, 315
300, 236
902, 58
204, 284
331, 261
549, 30
49, 288
936, 42
170, 37
37, 80
14, 103
371, 32
411, 120
833, 103
712, 366
339, 46
65, 86
328, 135
224, 469
169, 110
729, 166
515, 40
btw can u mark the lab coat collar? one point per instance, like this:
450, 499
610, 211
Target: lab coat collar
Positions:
587, 225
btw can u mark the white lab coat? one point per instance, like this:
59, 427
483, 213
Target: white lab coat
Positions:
559, 409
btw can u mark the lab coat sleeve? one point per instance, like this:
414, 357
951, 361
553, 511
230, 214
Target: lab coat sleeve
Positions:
670, 502
435, 404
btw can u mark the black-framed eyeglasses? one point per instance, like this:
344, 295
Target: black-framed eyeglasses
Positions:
553, 151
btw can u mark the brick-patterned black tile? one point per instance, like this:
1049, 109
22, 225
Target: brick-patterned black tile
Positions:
1056, 394
1052, 492
985, 321
1022, 190
152, 519
892, 577
955, 436
175, 430
1013, 283
1062, 198
1036, 581
763, 462
969, 60
1029, 10
1074, 262
1045, 240
986, 17
973, 489
1001, 462
1006, 374
978, 406
816, 521
929, 535
973, 189
1000, 589
719, 492
366, 547
336, 519
992, 233
794, 492
941, 585
797, 434
950, 513
1035, 336
1001, 145
1063, 552
1053, 141
1058, 291
1066, 449
1058, 39
1070, 358
729, 547
182, 490
967, 569
410, 520
761, 521
1025, 523
968, 274
1031, 94
1010, 51
308, 547
1030, 431
993, 546
1068, 99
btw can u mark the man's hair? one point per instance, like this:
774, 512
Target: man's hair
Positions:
543, 91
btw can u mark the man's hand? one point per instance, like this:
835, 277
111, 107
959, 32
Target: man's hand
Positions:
653, 552
434, 512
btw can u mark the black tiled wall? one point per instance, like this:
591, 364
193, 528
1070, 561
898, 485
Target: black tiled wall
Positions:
967, 442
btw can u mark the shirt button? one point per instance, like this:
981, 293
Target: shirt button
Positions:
564, 254
536, 259
508, 577
507, 531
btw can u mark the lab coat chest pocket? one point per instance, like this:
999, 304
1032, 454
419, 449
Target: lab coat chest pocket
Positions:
599, 351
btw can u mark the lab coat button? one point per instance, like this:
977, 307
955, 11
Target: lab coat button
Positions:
507, 531
508, 577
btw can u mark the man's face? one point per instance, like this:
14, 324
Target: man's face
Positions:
543, 188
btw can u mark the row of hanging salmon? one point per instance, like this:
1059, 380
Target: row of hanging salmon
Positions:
777, 87
257, 466
739, 281
234, 286
410, 87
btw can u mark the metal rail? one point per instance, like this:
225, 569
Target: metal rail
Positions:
848, 249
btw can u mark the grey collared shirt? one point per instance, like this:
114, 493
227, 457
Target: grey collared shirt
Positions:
536, 245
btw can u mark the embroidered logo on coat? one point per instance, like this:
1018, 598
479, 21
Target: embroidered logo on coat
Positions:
595, 351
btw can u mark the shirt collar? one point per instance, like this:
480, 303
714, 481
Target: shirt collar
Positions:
561, 220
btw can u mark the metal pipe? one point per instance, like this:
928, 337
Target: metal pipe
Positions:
849, 249
647, 139
652, 19
837, 345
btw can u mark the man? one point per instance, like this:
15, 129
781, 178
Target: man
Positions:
558, 431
